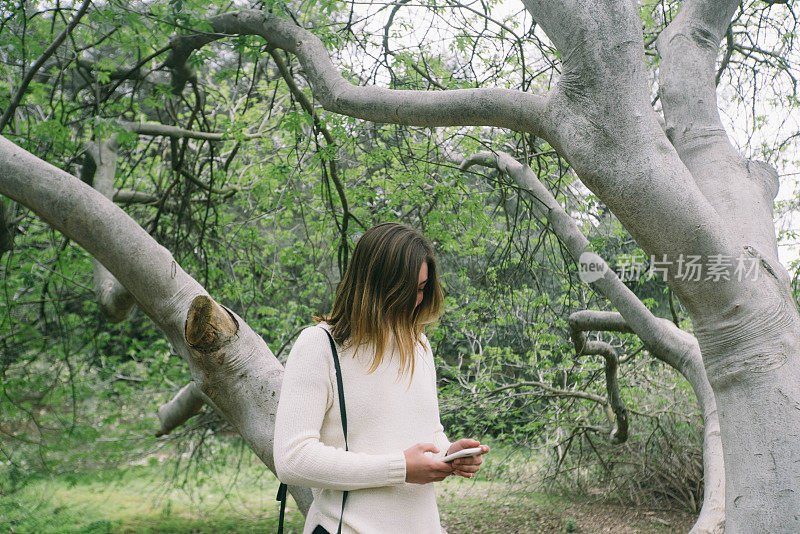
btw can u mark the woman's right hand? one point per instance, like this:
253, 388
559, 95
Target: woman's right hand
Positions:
421, 469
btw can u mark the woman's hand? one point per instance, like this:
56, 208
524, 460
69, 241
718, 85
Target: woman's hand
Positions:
469, 465
421, 469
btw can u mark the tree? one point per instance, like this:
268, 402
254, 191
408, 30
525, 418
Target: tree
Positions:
680, 189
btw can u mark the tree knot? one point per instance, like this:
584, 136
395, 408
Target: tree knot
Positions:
209, 325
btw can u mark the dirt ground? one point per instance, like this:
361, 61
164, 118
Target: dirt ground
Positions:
493, 509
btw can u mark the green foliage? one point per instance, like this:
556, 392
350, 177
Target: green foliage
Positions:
263, 227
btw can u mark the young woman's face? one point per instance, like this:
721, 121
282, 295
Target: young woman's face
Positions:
423, 279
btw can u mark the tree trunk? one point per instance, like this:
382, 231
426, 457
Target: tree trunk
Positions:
750, 343
750, 350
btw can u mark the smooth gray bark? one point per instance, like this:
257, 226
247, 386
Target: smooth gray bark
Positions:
741, 191
185, 404
747, 329
750, 346
113, 299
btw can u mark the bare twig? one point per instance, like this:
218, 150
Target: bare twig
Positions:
17, 98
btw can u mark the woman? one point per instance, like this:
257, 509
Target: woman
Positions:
389, 292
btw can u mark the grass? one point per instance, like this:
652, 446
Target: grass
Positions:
224, 497
148, 499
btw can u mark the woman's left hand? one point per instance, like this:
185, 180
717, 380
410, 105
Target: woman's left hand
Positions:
469, 465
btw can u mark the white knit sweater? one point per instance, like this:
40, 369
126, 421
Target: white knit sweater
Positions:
383, 419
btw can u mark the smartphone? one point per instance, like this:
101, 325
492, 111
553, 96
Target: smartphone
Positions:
462, 453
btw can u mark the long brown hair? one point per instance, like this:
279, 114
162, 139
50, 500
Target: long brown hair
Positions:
377, 295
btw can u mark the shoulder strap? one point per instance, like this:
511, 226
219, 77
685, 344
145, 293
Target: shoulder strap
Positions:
282, 487
281, 497
342, 411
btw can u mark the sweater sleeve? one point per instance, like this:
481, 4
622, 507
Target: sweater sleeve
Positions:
300, 457
441, 442
439, 437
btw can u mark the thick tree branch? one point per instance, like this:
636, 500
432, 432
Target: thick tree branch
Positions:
601, 46
761, 467
505, 108
740, 191
184, 405
17, 98
605, 126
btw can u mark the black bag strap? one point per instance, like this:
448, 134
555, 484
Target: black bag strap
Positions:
282, 498
342, 411
282, 488
339, 385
